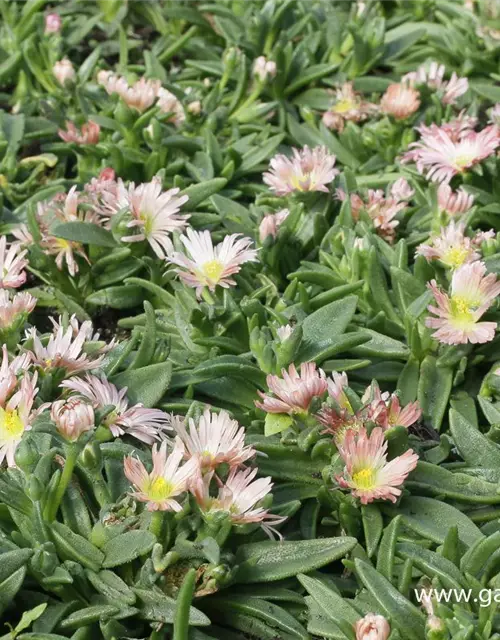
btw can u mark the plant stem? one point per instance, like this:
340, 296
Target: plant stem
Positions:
69, 465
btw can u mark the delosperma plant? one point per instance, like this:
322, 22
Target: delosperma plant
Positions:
249, 284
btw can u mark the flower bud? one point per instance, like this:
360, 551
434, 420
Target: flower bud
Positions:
264, 69
194, 107
26, 456
52, 23
372, 627
91, 456
72, 417
64, 72
435, 629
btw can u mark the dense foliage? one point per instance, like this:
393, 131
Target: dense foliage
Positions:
250, 380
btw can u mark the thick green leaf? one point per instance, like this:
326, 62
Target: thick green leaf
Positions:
84, 232
432, 519
321, 328
475, 448
403, 615
268, 561
160, 608
147, 385
127, 547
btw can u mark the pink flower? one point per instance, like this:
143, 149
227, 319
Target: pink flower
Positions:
441, 158
386, 411
12, 264
348, 106
483, 236
271, 223
63, 349
367, 472
400, 101
454, 203
72, 417
169, 103
401, 190
209, 266
102, 194
147, 425
63, 208
140, 96
453, 248
307, 170
155, 213
9, 372
432, 76
372, 627
470, 296
89, 133
239, 498
168, 480
15, 310
53, 23
64, 72
294, 392
264, 69
216, 440
454, 88
15, 409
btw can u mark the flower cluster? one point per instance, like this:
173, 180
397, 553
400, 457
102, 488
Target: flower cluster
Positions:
367, 472
213, 446
142, 94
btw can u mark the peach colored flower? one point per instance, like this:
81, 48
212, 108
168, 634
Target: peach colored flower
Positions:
64, 349
161, 488
239, 497
367, 472
372, 627
72, 417
453, 248
12, 264
271, 222
400, 101
14, 310
15, 409
458, 312
293, 392
64, 72
145, 424
348, 106
209, 266
215, 440
89, 133
307, 170
454, 203
155, 213
169, 103
440, 158
53, 23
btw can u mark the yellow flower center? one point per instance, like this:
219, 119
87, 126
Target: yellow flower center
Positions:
462, 310
364, 479
455, 256
212, 270
159, 489
146, 218
11, 425
343, 106
463, 160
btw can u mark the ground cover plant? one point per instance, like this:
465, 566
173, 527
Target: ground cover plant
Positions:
250, 369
